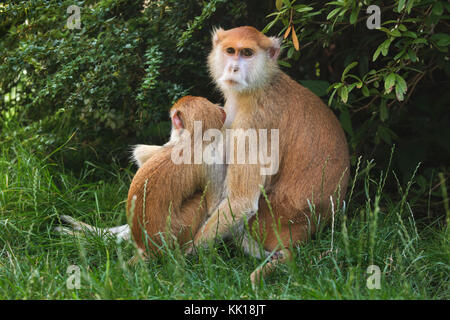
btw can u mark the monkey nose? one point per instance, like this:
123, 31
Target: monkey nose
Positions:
233, 68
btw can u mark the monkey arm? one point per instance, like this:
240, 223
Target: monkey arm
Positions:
242, 196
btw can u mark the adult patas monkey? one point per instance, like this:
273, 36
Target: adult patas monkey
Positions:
313, 152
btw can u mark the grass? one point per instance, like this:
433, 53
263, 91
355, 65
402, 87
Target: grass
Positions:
376, 228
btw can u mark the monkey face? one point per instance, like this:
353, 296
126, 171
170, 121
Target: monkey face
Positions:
236, 61
242, 59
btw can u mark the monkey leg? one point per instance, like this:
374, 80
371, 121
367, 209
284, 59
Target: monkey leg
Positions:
179, 225
190, 217
272, 235
274, 243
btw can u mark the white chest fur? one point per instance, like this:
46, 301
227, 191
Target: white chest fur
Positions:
231, 108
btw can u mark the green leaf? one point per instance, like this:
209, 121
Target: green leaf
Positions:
337, 85
398, 93
279, 4
356, 78
395, 33
336, 3
377, 53
412, 55
389, 82
441, 39
401, 83
420, 41
270, 25
350, 87
409, 5
303, 8
331, 97
438, 9
401, 5
410, 34
343, 93
284, 63
365, 91
400, 54
383, 48
347, 69
392, 33
333, 13
290, 52
354, 14
400, 87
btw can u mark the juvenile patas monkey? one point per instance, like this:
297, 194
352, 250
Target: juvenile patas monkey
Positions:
313, 152
177, 196
167, 197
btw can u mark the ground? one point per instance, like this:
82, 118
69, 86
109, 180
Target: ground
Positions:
376, 228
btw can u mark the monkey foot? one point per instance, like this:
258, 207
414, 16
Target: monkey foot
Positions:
277, 255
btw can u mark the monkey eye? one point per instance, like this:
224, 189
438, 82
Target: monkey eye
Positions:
246, 52
230, 50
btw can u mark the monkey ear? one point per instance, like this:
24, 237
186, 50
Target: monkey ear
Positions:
274, 50
217, 35
176, 120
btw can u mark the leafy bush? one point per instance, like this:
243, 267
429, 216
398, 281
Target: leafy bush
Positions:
111, 82
388, 85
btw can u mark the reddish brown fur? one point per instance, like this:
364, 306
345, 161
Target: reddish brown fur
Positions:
247, 35
173, 193
313, 160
